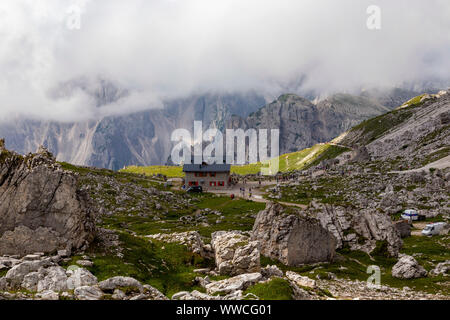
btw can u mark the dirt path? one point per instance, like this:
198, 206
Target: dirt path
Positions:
440, 164
257, 193
419, 226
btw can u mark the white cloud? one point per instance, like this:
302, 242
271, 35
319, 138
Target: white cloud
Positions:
168, 48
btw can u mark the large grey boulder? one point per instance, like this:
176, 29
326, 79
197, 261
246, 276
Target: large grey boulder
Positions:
16, 274
79, 278
88, 293
53, 278
30, 281
404, 228
408, 268
42, 208
293, 238
234, 253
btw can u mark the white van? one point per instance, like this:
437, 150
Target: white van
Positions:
433, 229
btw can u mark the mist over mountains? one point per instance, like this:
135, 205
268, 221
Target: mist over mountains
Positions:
109, 90
143, 138
157, 51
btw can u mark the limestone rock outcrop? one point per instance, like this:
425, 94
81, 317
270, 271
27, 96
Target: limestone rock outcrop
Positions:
42, 208
408, 268
360, 229
234, 253
292, 238
191, 239
230, 285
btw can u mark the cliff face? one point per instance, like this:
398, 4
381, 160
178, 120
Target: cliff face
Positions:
141, 138
416, 134
303, 124
42, 208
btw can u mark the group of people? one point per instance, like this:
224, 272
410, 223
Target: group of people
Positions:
242, 190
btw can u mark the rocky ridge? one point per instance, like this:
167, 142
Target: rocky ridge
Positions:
42, 207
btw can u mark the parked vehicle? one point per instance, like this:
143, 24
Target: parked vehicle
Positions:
433, 229
412, 215
195, 189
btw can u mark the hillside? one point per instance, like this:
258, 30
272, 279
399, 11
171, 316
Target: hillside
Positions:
412, 136
303, 124
163, 239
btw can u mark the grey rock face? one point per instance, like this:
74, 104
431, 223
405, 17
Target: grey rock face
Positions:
153, 293
53, 278
16, 274
408, 268
293, 239
234, 284
235, 254
442, 268
404, 228
348, 225
80, 278
191, 239
271, 271
49, 295
377, 226
141, 138
120, 282
88, 293
303, 124
42, 208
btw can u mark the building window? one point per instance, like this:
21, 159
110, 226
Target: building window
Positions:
212, 174
221, 184
212, 184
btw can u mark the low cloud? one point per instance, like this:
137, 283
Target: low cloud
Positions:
157, 50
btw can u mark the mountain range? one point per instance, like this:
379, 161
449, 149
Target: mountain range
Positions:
143, 138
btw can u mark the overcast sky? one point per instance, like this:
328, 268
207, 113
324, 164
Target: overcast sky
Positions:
170, 48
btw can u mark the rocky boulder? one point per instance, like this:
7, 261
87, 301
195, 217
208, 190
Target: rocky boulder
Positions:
42, 208
376, 226
408, 268
359, 229
300, 281
53, 278
191, 239
15, 276
119, 282
292, 237
234, 284
442, 268
234, 253
79, 278
404, 228
88, 293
